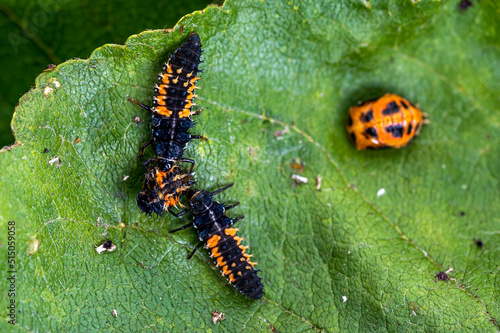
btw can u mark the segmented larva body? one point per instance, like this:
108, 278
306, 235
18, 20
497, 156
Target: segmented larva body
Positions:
166, 182
173, 100
163, 186
215, 230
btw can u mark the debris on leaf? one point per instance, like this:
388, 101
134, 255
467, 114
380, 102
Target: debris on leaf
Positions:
33, 245
465, 4
299, 179
216, 316
106, 246
381, 192
114, 313
442, 276
55, 160
280, 133
318, 183
48, 90
49, 68
479, 242
298, 165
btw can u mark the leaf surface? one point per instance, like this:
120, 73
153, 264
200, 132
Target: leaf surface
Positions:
342, 258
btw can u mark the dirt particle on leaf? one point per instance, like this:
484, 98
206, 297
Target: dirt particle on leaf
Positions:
299, 179
413, 306
50, 67
318, 182
55, 160
33, 245
462, 213
106, 246
138, 120
47, 91
465, 4
479, 242
114, 313
217, 316
78, 140
297, 164
46, 150
278, 134
442, 276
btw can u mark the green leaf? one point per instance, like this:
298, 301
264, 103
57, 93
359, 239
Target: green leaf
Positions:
36, 33
342, 258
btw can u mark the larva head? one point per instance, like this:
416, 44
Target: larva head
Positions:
200, 202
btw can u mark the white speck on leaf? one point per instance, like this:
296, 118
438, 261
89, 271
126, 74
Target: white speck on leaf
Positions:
106, 246
280, 133
55, 160
300, 179
48, 90
381, 192
344, 299
216, 316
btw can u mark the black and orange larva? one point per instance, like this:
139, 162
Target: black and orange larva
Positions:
166, 182
163, 186
215, 231
173, 101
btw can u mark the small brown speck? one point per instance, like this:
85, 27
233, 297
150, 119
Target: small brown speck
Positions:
465, 4
442, 276
137, 120
297, 164
78, 140
280, 133
106, 246
50, 67
216, 316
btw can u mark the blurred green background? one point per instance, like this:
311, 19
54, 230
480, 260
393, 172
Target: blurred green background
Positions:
34, 34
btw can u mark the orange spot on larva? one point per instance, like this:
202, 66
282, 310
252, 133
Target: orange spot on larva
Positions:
220, 261
213, 241
230, 231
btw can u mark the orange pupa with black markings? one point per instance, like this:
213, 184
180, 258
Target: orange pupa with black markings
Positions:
388, 122
216, 231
